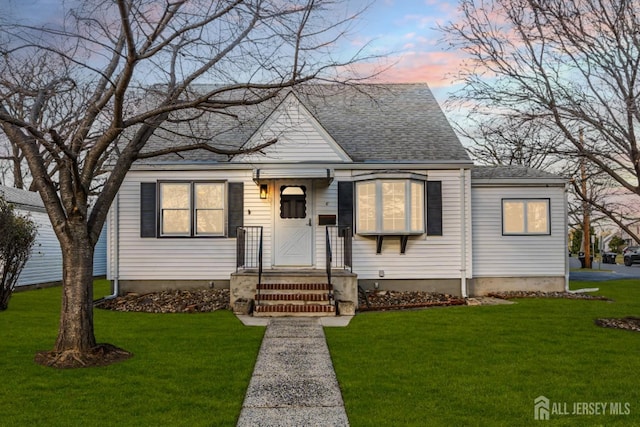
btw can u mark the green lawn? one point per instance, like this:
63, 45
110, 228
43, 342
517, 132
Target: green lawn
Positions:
187, 369
443, 366
486, 365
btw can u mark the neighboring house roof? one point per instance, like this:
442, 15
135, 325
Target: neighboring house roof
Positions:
371, 123
515, 174
21, 198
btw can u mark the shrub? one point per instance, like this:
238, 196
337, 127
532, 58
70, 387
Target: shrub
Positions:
616, 243
17, 235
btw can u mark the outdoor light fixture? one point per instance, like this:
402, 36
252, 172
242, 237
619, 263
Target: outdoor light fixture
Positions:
263, 191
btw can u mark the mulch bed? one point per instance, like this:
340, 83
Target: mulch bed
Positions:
194, 301
627, 323
397, 300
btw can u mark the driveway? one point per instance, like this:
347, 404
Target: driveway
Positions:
602, 272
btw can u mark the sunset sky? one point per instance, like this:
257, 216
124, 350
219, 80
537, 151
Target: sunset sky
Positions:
407, 29
403, 29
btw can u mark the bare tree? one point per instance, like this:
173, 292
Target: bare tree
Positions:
508, 140
84, 97
569, 66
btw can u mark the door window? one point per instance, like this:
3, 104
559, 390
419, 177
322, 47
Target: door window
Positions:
293, 203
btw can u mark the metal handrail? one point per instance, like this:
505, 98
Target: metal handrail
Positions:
339, 240
328, 255
249, 250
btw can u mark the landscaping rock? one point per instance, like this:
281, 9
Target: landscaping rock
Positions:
628, 323
193, 301
397, 300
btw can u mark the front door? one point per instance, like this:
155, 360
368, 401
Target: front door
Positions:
293, 237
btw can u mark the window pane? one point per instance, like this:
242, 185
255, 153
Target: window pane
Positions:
293, 202
366, 207
209, 222
175, 221
174, 196
513, 216
417, 207
393, 206
209, 196
537, 221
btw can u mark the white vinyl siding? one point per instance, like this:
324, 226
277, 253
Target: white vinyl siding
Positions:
426, 257
214, 259
299, 138
496, 254
179, 258
45, 263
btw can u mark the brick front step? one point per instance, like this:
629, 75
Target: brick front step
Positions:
293, 297
295, 286
294, 310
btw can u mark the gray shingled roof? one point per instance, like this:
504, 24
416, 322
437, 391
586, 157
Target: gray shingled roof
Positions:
21, 198
510, 172
372, 123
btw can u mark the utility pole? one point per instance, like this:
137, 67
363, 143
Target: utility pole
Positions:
586, 218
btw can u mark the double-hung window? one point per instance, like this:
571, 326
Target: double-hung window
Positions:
525, 217
192, 208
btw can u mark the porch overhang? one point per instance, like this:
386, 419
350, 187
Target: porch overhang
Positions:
323, 175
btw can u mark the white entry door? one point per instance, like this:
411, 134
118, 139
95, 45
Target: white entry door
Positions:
293, 238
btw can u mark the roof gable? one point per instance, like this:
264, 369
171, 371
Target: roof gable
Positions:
299, 137
379, 123
21, 198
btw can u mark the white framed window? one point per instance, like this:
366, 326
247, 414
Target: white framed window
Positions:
175, 209
525, 217
390, 206
192, 208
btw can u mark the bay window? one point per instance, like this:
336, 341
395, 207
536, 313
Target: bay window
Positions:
390, 206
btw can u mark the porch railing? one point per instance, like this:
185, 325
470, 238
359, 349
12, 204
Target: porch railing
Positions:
249, 250
339, 243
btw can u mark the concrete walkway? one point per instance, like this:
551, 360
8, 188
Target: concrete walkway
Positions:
293, 382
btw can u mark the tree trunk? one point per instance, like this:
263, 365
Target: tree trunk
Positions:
76, 317
76, 345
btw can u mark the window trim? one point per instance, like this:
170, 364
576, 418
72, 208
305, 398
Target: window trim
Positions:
525, 202
379, 208
192, 210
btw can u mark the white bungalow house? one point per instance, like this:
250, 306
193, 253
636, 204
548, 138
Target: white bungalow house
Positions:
44, 266
365, 186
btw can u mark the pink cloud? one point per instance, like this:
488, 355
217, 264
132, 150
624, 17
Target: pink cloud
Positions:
436, 68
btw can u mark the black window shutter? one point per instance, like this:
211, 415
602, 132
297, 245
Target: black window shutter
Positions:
148, 213
345, 204
434, 208
235, 213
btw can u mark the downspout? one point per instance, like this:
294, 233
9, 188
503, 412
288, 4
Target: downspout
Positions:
567, 268
463, 236
116, 247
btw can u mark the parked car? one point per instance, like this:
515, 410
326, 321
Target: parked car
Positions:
631, 255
